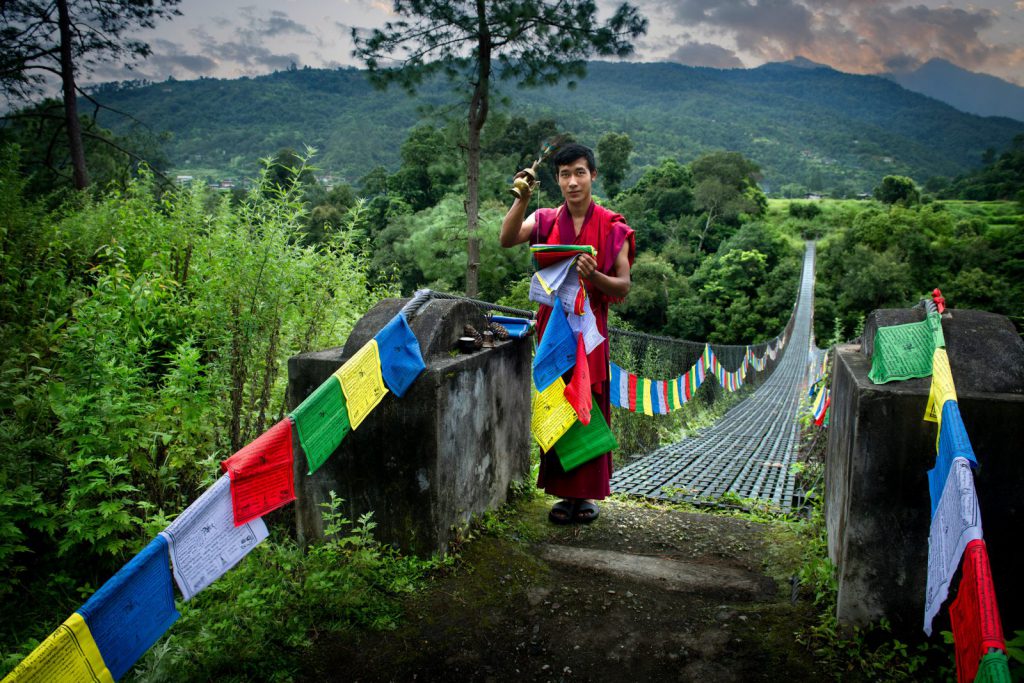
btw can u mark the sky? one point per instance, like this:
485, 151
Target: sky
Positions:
231, 38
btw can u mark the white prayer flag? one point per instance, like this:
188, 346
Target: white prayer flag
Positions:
204, 542
956, 522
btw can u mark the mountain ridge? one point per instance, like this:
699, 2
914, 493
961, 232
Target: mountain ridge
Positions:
818, 127
968, 91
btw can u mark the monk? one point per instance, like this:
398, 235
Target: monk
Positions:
606, 278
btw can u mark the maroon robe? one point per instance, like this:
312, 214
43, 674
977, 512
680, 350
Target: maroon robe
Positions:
607, 232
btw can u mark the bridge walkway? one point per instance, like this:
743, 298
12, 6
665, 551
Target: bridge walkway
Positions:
750, 449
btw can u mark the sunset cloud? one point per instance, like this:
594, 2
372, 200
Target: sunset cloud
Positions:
706, 54
859, 36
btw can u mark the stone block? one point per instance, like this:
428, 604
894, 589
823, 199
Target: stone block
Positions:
877, 505
425, 463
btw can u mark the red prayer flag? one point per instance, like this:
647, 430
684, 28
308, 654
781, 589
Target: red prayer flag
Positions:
262, 478
577, 391
581, 298
974, 614
664, 395
632, 392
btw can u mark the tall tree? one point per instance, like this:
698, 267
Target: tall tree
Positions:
613, 156
475, 42
897, 188
48, 39
725, 186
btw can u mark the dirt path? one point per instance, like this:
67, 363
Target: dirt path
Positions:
642, 594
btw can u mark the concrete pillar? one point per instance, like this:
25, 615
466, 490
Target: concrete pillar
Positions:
879, 450
425, 463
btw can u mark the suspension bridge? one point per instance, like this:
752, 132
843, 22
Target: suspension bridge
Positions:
749, 450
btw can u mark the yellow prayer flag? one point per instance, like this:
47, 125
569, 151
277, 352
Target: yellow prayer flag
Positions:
552, 414
648, 408
68, 655
942, 388
675, 394
362, 382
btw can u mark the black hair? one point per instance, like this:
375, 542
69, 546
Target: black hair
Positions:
570, 152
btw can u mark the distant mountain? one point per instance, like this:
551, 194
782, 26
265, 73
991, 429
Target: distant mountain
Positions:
815, 127
971, 92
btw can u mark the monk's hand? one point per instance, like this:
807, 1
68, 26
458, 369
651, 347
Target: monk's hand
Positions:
586, 265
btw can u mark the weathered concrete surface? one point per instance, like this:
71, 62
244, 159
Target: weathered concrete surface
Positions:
447, 450
669, 574
880, 449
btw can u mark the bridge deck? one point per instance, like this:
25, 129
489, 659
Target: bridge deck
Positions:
749, 450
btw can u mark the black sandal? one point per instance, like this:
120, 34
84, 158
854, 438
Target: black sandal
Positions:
585, 512
563, 512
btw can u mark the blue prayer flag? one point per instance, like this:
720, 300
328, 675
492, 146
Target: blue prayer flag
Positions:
557, 350
400, 359
613, 383
953, 443
133, 609
517, 327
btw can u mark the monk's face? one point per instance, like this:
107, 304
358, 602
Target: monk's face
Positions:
575, 180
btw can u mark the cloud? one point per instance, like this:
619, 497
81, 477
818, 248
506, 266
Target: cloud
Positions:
277, 24
860, 36
246, 55
706, 54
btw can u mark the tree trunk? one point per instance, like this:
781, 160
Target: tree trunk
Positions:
478, 106
707, 226
67, 75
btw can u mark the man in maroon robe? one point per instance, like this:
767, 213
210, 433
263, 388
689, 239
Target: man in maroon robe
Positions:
606, 278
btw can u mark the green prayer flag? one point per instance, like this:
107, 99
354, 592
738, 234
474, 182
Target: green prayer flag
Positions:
585, 442
902, 352
994, 668
935, 321
322, 422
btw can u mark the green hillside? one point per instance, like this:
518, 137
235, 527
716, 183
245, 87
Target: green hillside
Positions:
817, 128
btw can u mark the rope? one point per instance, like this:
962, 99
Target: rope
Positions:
651, 355
422, 297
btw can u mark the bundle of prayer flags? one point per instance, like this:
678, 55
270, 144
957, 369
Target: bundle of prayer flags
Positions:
133, 609
547, 281
584, 442
903, 352
262, 474
203, 541
974, 615
362, 382
400, 357
553, 285
68, 655
322, 422
556, 352
546, 254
